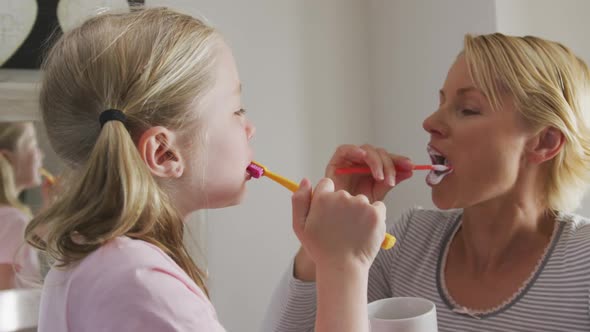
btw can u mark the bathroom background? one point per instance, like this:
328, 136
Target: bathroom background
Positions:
316, 74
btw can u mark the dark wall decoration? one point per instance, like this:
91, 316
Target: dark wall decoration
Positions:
27, 25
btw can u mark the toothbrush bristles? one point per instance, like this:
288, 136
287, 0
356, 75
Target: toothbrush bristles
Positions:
440, 168
255, 170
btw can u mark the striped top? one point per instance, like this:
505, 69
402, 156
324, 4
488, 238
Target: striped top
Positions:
556, 297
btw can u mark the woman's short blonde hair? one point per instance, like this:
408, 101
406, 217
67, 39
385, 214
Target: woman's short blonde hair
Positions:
550, 87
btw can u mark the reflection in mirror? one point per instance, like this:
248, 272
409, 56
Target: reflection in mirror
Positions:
49, 170
24, 190
20, 163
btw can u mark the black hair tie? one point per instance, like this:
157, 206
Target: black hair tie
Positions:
111, 115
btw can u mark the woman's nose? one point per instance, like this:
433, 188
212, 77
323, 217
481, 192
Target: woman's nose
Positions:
434, 125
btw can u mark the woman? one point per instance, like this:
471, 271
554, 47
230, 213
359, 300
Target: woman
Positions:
505, 253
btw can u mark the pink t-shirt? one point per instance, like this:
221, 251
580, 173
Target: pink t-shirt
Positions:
126, 285
14, 249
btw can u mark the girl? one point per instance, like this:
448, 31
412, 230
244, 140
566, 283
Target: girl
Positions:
145, 110
20, 161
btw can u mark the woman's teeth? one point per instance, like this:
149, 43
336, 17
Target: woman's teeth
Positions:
435, 177
441, 167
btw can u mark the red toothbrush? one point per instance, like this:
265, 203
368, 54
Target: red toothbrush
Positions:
367, 170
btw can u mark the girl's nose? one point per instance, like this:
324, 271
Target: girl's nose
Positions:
250, 129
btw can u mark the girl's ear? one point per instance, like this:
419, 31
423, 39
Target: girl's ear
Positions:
157, 149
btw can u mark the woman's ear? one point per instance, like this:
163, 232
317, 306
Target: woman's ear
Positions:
158, 149
545, 145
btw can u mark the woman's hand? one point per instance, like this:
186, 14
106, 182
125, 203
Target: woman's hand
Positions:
374, 186
387, 170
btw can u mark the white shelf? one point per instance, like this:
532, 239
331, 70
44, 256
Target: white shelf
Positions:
19, 94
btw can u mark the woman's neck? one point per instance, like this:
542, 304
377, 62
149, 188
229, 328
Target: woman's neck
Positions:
497, 233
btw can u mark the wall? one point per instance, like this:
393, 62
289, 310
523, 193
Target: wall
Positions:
305, 74
317, 74
413, 44
564, 21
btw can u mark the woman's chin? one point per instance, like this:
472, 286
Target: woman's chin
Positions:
443, 202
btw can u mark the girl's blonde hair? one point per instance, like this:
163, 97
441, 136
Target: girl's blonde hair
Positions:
550, 87
152, 64
10, 135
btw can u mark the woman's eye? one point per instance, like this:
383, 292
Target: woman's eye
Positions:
467, 112
241, 111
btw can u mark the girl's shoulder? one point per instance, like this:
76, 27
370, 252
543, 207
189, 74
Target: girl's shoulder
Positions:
12, 227
124, 256
12, 213
124, 266
129, 285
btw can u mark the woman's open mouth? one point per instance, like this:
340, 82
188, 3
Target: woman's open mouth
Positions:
434, 177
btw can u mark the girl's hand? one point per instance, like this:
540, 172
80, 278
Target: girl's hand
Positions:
337, 230
48, 192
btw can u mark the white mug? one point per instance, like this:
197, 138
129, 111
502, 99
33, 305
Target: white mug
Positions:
402, 314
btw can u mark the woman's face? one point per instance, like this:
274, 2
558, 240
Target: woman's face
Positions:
485, 147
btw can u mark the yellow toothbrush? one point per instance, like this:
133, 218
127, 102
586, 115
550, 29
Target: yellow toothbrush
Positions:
50, 178
257, 170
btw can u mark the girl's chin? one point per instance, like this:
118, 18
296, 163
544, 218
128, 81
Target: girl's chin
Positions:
37, 182
229, 201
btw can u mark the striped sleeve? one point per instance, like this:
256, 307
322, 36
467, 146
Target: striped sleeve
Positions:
293, 304
379, 275
292, 307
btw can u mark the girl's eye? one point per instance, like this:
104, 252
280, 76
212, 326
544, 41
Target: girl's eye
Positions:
241, 111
